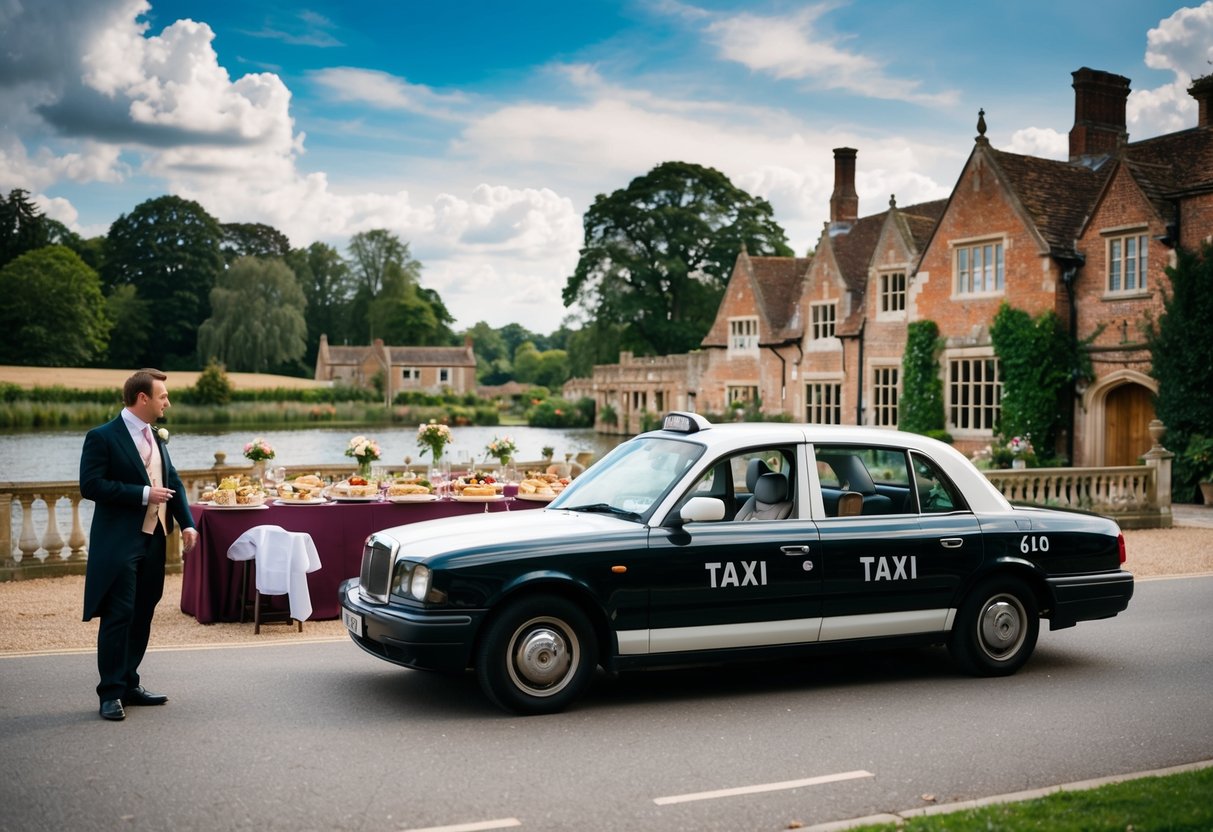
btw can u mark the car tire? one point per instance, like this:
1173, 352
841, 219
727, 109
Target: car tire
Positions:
996, 628
537, 656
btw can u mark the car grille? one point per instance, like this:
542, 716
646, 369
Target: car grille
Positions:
376, 576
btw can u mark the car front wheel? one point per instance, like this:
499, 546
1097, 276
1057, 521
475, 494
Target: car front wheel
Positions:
996, 628
537, 656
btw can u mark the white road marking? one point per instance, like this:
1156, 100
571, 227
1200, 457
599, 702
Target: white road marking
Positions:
763, 787
476, 826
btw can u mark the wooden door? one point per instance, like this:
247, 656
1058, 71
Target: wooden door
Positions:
1127, 414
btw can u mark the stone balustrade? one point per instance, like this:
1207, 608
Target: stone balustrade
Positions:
46, 509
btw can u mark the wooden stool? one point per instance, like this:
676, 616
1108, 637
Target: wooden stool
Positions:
262, 612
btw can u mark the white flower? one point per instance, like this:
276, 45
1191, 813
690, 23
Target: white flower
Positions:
162, 433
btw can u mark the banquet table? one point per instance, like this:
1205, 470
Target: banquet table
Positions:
212, 588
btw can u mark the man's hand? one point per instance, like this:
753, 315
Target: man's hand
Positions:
159, 494
189, 539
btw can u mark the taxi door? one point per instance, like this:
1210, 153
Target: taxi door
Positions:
737, 583
894, 568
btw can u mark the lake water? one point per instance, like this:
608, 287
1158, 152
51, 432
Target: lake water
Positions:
55, 455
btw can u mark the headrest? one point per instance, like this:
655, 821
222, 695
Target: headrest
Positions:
771, 488
852, 475
753, 471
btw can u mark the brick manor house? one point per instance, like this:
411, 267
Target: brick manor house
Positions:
821, 338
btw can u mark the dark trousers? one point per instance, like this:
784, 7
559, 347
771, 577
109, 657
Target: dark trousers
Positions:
126, 618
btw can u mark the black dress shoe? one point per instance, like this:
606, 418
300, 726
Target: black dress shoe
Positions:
143, 696
112, 709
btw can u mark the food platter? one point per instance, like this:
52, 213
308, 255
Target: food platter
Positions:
413, 498
310, 501
345, 498
212, 504
496, 498
537, 498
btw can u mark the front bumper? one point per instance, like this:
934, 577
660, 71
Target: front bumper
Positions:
413, 638
1089, 597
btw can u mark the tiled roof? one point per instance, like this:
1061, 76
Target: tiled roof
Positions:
432, 356
1057, 195
348, 355
1172, 164
921, 220
777, 282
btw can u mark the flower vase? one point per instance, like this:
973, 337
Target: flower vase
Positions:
1019, 462
364, 469
258, 472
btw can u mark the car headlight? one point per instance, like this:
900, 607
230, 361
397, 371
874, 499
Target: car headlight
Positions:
414, 580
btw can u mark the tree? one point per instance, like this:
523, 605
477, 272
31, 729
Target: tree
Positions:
328, 286
22, 226
373, 253
253, 239
129, 316
657, 254
53, 311
1182, 361
258, 322
168, 249
493, 364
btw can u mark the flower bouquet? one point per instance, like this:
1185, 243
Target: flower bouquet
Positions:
365, 451
258, 450
501, 449
433, 437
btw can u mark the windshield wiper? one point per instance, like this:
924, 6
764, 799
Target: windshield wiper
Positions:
604, 508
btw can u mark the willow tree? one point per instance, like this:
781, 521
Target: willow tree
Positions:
257, 321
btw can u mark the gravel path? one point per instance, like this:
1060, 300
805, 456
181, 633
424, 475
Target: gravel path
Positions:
43, 615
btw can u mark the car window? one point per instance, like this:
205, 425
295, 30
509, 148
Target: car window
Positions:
727, 480
632, 478
936, 493
863, 481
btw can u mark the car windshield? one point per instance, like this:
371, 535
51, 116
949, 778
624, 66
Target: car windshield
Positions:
631, 479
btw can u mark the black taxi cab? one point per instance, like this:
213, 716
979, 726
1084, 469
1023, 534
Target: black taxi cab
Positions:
704, 543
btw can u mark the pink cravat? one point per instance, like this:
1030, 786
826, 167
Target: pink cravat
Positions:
147, 448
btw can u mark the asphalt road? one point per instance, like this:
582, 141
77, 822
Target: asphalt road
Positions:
325, 737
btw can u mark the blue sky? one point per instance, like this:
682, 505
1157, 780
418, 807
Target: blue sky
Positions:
479, 132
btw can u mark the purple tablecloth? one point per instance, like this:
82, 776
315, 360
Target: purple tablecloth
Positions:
211, 587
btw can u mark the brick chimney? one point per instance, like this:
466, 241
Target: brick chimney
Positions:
844, 202
1099, 115
1202, 91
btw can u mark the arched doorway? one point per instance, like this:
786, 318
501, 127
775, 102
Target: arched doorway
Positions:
1128, 410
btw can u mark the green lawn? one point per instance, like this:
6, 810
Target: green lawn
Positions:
1174, 803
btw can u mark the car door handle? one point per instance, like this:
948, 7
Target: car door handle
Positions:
951, 542
794, 550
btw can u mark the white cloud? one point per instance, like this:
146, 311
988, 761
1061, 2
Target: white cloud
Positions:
385, 91
1183, 44
792, 47
1040, 141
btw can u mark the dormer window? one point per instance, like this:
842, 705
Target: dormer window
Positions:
892, 294
979, 269
823, 320
743, 334
1127, 261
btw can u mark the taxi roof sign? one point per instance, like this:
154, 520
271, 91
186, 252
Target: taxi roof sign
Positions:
684, 422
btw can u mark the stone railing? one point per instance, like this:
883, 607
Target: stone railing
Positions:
54, 518
1135, 496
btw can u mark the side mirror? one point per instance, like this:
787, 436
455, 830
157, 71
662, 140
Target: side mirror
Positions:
702, 510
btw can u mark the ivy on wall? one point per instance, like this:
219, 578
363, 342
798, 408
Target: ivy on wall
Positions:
921, 402
1182, 361
1037, 362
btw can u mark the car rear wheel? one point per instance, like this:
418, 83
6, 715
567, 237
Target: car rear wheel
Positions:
537, 656
996, 628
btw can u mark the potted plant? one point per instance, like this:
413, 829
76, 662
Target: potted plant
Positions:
1199, 455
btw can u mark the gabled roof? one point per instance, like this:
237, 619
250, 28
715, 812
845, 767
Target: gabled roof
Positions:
775, 282
1057, 196
348, 355
920, 220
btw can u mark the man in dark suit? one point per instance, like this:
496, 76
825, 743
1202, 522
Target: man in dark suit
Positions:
125, 469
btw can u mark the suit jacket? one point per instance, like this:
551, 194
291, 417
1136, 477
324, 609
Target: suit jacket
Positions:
112, 476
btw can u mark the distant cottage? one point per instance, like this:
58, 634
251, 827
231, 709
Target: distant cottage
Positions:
429, 369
